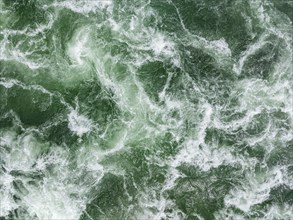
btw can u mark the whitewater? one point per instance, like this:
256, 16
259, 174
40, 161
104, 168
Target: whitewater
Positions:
146, 109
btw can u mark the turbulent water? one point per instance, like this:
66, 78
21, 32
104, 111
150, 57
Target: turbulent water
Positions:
146, 109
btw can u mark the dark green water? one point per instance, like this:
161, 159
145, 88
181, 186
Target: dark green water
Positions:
146, 110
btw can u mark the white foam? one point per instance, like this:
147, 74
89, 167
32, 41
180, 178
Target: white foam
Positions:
88, 159
206, 157
52, 200
7, 202
55, 196
279, 212
8, 83
155, 205
219, 49
84, 6
133, 23
252, 49
191, 148
33, 37
79, 124
161, 45
16, 54
256, 189
115, 26
221, 46
78, 47
256, 93
24, 153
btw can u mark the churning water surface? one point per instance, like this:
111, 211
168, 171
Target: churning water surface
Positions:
146, 109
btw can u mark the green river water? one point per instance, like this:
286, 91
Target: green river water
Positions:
146, 109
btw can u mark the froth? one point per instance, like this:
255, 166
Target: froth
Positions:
79, 124
84, 6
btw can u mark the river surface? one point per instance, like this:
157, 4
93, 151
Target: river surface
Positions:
146, 109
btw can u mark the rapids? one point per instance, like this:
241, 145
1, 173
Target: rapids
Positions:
149, 109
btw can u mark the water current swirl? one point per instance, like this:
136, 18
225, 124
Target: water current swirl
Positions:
146, 109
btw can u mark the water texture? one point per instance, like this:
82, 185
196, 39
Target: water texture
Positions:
146, 109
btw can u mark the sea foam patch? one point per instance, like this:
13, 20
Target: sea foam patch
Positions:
161, 45
84, 6
78, 49
79, 124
